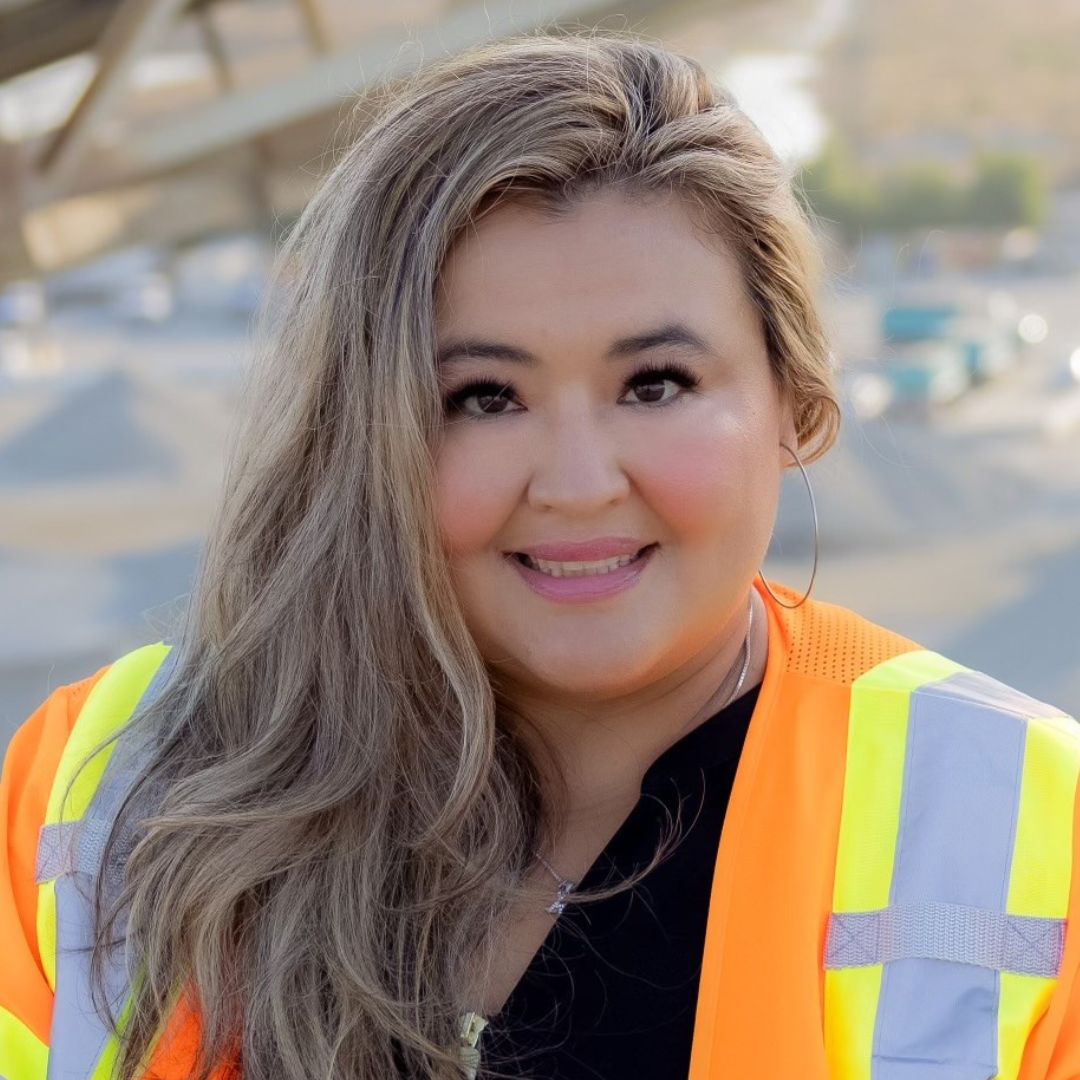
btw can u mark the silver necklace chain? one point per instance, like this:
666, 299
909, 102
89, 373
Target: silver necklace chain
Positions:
565, 886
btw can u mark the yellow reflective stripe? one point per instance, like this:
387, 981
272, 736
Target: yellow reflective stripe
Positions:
1043, 855
1022, 1000
874, 773
46, 930
106, 1064
23, 1056
866, 847
1041, 873
851, 1001
108, 706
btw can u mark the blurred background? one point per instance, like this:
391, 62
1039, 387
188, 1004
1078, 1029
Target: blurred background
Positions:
153, 153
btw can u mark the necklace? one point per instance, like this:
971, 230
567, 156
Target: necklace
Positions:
565, 886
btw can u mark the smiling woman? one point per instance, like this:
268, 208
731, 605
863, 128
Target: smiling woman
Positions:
482, 750
615, 381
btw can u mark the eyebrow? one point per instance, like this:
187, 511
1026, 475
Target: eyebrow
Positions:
674, 333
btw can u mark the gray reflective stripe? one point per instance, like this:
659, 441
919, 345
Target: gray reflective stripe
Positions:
78, 1035
936, 931
958, 812
69, 847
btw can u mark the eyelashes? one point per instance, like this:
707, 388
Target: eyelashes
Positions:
501, 391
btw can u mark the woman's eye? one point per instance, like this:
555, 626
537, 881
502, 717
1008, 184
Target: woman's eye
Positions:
653, 388
491, 395
647, 384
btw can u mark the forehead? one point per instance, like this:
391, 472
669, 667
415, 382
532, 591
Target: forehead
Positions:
610, 262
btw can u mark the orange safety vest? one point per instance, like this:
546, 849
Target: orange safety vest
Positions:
893, 889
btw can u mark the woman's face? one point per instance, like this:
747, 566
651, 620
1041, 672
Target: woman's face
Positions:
573, 440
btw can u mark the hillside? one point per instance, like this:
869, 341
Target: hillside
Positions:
922, 78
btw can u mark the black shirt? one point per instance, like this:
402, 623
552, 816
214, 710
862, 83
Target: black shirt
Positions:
612, 992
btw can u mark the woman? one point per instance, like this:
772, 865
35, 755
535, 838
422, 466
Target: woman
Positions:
432, 781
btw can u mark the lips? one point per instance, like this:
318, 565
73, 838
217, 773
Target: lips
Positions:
577, 588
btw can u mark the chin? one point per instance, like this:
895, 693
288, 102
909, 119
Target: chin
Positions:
583, 676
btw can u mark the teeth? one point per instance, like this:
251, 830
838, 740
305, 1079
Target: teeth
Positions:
578, 569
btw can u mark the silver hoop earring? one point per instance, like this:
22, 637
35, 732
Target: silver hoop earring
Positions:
813, 507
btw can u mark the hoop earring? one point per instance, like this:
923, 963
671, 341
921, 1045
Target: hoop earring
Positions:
813, 507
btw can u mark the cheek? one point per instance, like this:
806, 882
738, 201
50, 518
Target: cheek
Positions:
707, 476
473, 496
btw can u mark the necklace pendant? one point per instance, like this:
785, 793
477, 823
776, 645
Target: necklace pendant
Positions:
565, 889
472, 1024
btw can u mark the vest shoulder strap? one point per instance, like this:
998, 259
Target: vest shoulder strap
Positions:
954, 863
29, 765
77, 823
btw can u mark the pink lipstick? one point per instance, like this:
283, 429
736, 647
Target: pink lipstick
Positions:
587, 587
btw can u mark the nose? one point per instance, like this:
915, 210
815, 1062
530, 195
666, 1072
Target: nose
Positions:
577, 467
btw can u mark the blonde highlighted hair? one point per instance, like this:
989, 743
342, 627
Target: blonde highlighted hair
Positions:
343, 805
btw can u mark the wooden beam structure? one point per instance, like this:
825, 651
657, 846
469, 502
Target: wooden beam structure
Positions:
65, 200
317, 24
332, 81
135, 27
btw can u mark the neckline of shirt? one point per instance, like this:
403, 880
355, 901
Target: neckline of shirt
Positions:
713, 742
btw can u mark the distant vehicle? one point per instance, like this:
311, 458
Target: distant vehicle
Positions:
147, 297
97, 283
989, 350
936, 329
1062, 417
22, 303
224, 275
922, 374
1067, 375
915, 321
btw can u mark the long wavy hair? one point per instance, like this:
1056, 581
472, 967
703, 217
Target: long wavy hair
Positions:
344, 806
